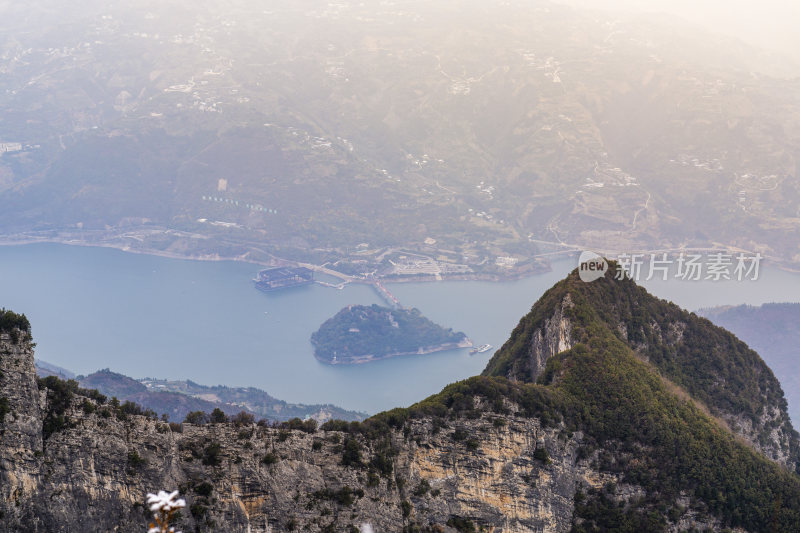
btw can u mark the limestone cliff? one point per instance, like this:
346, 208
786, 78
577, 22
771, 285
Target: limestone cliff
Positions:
21, 428
94, 473
502, 472
552, 338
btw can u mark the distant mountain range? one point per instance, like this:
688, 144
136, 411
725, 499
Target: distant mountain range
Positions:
177, 398
465, 132
773, 330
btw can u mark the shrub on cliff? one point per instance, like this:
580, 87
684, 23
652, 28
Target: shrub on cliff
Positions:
218, 416
59, 396
243, 418
12, 323
196, 417
308, 426
351, 453
212, 454
4, 409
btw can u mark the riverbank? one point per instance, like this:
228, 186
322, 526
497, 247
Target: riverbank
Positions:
269, 260
361, 359
252, 254
243, 258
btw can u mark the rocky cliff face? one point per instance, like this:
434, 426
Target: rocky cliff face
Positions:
508, 473
21, 429
503, 473
552, 338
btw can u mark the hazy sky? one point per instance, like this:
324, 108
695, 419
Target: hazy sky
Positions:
771, 24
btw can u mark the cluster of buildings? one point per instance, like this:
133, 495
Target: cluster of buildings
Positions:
271, 279
10, 147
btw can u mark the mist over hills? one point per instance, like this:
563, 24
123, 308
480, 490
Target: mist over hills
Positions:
416, 140
301, 130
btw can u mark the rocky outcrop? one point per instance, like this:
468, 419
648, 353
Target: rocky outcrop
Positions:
725, 377
21, 428
495, 482
552, 338
769, 434
505, 473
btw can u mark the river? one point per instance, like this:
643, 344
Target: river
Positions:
148, 316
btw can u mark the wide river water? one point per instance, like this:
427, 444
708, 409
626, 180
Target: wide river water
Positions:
148, 316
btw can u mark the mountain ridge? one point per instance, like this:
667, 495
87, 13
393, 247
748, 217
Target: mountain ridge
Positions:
177, 398
711, 364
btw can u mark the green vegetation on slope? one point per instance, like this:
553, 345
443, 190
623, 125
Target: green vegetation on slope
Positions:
668, 446
360, 332
634, 359
60, 398
708, 362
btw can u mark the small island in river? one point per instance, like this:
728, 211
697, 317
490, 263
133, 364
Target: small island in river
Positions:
360, 333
